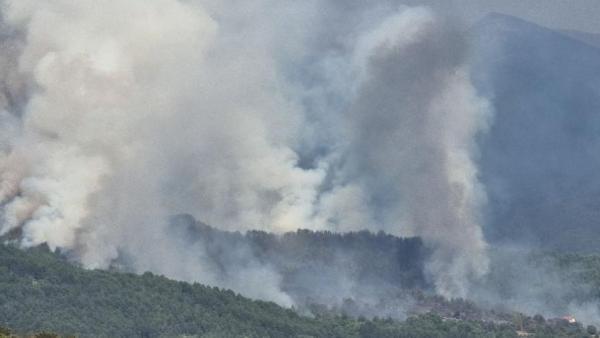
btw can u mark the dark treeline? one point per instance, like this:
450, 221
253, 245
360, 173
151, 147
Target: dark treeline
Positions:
321, 266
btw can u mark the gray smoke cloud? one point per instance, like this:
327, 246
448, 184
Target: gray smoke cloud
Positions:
412, 129
131, 111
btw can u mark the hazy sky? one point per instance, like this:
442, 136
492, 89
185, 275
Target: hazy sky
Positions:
583, 15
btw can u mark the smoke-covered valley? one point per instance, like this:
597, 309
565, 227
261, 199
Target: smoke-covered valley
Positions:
469, 145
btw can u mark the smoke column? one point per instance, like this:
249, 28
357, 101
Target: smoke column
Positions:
412, 128
124, 113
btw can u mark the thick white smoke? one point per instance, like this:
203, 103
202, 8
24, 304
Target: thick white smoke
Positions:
99, 73
140, 109
125, 97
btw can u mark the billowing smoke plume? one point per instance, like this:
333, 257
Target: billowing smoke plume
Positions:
412, 130
128, 112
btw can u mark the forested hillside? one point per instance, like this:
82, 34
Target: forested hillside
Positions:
376, 274
40, 291
316, 267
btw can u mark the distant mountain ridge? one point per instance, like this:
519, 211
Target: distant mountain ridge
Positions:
592, 39
540, 159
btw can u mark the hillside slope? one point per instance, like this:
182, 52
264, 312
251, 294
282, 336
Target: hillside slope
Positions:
39, 291
539, 160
